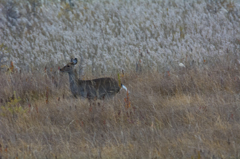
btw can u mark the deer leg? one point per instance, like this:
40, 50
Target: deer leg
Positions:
89, 100
90, 109
103, 102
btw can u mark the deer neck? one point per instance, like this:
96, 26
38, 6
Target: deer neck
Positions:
73, 80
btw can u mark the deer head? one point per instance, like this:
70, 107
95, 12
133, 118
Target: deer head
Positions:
69, 67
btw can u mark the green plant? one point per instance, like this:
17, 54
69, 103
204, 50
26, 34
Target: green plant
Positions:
13, 106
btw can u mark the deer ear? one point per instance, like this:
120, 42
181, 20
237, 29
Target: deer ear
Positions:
74, 61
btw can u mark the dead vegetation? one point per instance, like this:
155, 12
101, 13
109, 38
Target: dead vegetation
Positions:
190, 113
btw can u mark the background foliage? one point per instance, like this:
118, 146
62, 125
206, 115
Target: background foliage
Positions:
115, 35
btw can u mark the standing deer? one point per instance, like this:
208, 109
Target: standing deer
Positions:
98, 88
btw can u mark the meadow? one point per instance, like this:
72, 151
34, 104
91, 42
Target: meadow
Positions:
170, 112
189, 113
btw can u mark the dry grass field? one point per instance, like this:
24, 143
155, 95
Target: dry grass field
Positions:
189, 113
171, 111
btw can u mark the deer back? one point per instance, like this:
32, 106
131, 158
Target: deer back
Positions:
98, 88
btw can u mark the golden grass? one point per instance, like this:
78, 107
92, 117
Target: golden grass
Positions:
189, 113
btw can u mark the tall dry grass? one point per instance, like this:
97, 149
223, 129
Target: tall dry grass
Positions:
189, 113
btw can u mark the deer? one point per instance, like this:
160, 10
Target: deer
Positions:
99, 88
